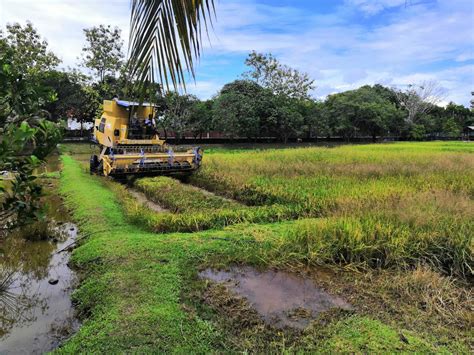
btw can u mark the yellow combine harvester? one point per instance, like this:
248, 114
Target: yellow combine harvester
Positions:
130, 144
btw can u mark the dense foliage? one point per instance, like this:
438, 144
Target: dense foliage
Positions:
273, 100
28, 134
243, 108
270, 100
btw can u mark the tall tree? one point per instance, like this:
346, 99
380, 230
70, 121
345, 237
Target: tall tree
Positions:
420, 99
31, 51
241, 108
25, 62
179, 112
103, 52
27, 137
281, 79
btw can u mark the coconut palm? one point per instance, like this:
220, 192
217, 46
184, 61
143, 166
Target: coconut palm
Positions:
165, 38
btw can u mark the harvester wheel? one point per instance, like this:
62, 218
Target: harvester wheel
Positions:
184, 178
93, 163
100, 168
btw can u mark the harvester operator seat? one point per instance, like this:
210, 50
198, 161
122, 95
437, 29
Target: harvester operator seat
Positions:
136, 130
150, 129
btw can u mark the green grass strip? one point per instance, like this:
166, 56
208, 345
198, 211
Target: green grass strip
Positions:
134, 283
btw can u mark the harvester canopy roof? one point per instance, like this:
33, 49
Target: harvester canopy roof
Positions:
132, 103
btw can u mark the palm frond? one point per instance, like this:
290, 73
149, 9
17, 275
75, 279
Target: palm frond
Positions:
165, 39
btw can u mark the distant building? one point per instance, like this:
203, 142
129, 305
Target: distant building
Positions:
75, 125
469, 133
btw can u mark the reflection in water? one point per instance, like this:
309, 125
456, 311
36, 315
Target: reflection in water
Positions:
36, 313
16, 309
26, 257
32, 310
282, 299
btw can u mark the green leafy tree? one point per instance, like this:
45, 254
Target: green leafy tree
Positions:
241, 109
451, 128
76, 98
31, 52
201, 120
68, 87
281, 79
284, 118
417, 132
360, 112
25, 60
103, 52
27, 137
310, 111
463, 116
318, 121
178, 113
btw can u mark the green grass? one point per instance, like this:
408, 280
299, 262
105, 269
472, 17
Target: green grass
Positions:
137, 287
362, 335
392, 205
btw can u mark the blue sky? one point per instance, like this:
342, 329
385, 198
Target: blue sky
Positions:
342, 44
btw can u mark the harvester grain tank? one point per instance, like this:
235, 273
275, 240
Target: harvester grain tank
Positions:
130, 145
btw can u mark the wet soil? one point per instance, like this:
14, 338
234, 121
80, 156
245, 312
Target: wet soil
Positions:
210, 193
282, 299
141, 198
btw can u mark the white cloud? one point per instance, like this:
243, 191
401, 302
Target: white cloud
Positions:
204, 89
373, 7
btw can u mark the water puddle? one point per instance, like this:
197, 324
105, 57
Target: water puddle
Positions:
282, 299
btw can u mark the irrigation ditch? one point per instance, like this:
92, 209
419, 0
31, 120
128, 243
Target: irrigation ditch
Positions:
37, 314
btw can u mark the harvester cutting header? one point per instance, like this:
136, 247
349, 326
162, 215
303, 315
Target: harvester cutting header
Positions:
130, 144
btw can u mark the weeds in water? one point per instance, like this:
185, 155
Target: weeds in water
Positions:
6, 278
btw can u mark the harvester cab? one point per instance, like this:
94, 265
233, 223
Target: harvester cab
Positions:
130, 145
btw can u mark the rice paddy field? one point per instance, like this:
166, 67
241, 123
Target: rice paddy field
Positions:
388, 227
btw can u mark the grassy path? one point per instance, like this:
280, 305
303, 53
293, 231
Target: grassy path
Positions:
137, 289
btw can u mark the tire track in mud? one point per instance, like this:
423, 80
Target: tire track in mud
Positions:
141, 198
210, 193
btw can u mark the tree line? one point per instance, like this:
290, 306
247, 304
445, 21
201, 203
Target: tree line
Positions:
269, 100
